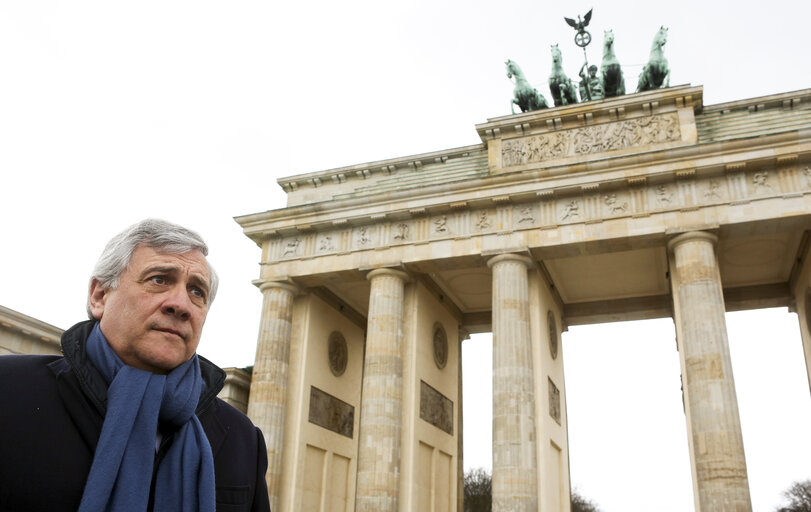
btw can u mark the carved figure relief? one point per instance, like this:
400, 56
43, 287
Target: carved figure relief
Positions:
401, 232
571, 210
614, 206
807, 173
554, 401
363, 236
337, 353
712, 191
483, 222
553, 334
292, 247
761, 182
440, 343
663, 195
436, 408
525, 215
331, 413
588, 140
441, 224
326, 244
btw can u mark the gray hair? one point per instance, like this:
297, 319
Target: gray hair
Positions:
163, 236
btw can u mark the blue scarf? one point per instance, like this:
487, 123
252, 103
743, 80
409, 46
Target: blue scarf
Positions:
121, 474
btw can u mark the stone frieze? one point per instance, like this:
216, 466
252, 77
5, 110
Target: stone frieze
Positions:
636, 197
588, 140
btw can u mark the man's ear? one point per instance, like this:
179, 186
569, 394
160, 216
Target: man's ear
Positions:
98, 297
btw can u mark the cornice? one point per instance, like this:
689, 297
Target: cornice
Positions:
785, 100
29, 326
558, 180
366, 170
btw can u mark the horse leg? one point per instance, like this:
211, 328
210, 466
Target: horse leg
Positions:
642, 84
512, 106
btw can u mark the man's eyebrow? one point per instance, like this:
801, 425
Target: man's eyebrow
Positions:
197, 279
200, 281
163, 269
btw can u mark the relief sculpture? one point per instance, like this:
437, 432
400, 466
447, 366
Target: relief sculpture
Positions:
613, 204
483, 222
401, 232
589, 140
761, 182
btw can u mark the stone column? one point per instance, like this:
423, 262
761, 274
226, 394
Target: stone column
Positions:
378, 484
267, 402
515, 464
802, 299
460, 445
711, 405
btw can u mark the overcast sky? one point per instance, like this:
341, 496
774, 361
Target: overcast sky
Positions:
111, 112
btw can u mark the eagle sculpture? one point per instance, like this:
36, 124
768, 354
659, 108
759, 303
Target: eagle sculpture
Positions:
579, 25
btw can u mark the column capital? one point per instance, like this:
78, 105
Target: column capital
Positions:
510, 257
266, 285
388, 272
691, 235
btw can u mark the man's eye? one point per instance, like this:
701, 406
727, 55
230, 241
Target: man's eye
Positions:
197, 292
158, 279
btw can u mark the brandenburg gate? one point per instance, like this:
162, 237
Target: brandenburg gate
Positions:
641, 206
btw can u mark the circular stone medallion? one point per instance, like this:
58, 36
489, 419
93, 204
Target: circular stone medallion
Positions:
553, 334
440, 346
337, 353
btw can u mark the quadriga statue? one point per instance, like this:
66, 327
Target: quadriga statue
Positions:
656, 72
524, 95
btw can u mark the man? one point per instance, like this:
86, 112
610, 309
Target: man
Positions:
128, 418
591, 87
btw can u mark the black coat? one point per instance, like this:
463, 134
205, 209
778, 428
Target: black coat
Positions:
51, 412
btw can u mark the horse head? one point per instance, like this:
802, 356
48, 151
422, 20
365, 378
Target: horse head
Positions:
661, 37
556, 56
609, 38
512, 69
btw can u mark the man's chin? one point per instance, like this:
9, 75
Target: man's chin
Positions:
164, 356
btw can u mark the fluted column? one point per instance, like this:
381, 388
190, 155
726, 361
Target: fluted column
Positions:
515, 465
266, 405
719, 467
378, 484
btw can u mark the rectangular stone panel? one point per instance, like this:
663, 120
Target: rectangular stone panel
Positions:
588, 140
314, 466
442, 482
424, 482
337, 480
331, 413
436, 408
554, 401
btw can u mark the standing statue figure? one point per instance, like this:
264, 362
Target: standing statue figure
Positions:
524, 95
656, 72
591, 88
563, 92
613, 80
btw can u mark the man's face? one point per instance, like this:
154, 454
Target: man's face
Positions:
154, 318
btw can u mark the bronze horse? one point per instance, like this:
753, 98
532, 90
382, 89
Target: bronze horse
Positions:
613, 80
560, 85
656, 72
524, 95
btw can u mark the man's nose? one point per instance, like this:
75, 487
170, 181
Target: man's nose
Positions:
177, 302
